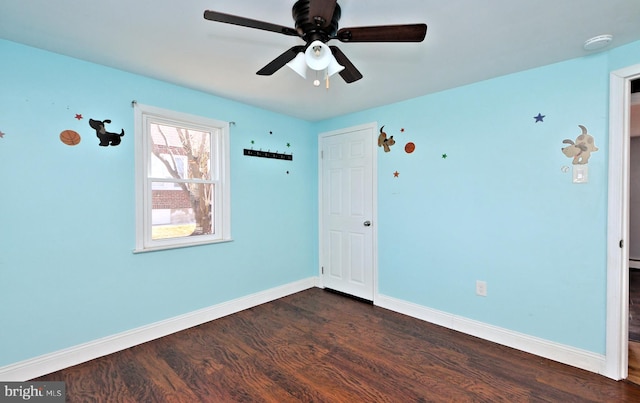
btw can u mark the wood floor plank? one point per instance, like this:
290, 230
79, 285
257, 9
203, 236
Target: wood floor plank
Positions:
166, 382
317, 346
634, 362
209, 363
93, 381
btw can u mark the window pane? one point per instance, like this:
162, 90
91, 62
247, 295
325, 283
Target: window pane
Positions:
181, 209
179, 153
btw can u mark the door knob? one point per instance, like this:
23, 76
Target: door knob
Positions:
367, 223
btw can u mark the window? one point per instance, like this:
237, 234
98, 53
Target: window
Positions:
182, 179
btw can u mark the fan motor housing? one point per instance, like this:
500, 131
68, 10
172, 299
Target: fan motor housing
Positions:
310, 28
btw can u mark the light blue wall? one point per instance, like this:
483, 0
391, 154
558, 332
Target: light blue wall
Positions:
624, 56
67, 271
499, 208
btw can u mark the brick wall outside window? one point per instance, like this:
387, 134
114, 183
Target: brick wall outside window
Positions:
170, 199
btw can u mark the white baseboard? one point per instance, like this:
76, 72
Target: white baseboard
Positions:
45, 364
554, 351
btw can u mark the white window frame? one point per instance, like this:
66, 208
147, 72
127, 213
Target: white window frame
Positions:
144, 116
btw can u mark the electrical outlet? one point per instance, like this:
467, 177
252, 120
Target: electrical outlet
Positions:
481, 288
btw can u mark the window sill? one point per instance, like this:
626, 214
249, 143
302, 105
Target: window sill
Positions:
187, 245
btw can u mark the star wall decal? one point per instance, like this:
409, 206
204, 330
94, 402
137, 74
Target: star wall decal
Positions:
1, 134
288, 144
79, 116
539, 118
444, 156
396, 174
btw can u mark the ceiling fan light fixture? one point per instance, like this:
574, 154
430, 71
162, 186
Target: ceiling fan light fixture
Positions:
299, 65
334, 67
316, 21
318, 56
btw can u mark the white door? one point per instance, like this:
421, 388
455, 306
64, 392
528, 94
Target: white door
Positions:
347, 210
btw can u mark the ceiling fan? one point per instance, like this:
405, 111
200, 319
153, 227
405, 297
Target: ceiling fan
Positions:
316, 22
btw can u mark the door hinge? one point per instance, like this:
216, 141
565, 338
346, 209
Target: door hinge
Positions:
322, 154
621, 243
322, 270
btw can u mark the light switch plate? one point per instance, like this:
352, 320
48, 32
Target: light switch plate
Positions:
580, 173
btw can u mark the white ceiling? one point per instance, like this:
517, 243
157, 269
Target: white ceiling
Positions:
467, 41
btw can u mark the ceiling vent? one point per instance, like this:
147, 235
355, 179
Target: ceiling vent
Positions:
598, 42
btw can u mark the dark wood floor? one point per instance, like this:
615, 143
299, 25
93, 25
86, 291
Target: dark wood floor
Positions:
634, 362
316, 346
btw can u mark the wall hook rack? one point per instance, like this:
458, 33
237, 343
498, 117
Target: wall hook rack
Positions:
267, 154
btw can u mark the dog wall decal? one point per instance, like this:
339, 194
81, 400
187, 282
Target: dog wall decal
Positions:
105, 137
385, 142
581, 149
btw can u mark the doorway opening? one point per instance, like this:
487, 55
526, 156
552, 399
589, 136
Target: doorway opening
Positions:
634, 234
617, 329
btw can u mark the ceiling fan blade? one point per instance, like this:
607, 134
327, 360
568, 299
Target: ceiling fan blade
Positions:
321, 11
384, 33
248, 22
277, 63
350, 72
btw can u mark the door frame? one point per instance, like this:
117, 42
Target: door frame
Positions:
374, 190
617, 322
